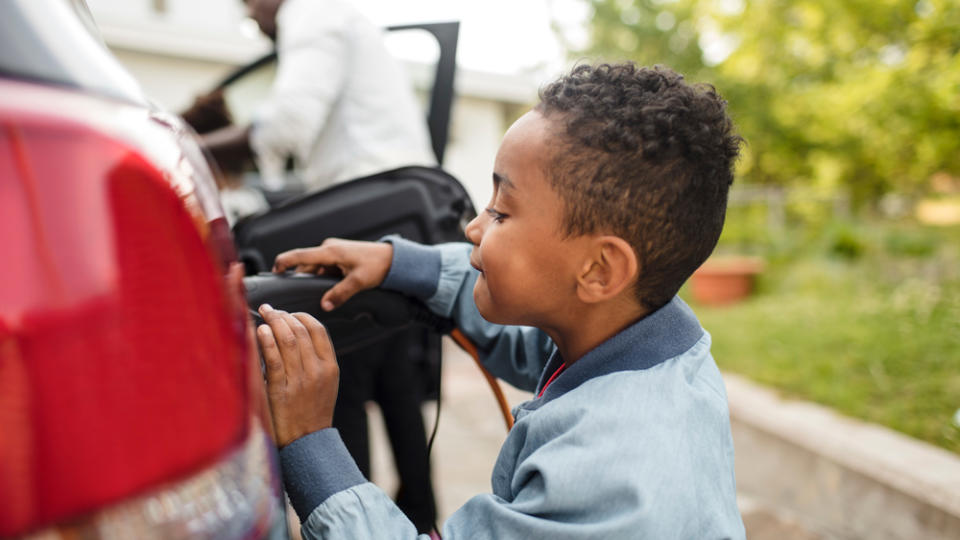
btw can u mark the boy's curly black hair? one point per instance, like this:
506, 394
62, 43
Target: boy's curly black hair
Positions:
647, 157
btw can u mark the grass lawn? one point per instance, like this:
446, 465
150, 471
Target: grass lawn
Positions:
865, 320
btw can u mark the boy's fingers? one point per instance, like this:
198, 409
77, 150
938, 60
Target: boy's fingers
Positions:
341, 292
303, 257
288, 259
318, 336
276, 374
304, 344
284, 338
307, 268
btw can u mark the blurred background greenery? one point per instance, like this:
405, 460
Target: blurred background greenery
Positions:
849, 189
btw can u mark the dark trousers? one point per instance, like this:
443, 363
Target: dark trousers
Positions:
390, 372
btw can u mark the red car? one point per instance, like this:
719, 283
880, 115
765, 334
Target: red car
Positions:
131, 400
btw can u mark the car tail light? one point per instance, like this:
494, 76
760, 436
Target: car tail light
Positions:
234, 498
123, 359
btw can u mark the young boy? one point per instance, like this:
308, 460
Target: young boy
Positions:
607, 196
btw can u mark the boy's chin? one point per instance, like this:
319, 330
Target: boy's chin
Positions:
481, 299
485, 310
492, 317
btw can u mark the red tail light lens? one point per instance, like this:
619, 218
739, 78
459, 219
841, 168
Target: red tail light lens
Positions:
120, 367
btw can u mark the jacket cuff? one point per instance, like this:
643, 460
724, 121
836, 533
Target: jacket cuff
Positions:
415, 268
315, 467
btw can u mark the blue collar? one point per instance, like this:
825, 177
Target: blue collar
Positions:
668, 332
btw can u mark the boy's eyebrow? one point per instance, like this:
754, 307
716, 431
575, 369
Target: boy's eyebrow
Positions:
500, 180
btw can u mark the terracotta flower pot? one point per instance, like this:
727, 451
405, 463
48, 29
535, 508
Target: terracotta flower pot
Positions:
725, 280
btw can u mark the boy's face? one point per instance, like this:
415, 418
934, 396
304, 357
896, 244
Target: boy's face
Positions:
527, 267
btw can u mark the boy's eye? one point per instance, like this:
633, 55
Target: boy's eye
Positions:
497, 216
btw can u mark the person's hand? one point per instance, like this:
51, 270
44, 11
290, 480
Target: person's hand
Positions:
302, 373
364, 266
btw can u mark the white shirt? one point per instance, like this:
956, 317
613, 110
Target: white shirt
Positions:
340, 104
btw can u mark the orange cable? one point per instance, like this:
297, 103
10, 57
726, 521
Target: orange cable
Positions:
467, 345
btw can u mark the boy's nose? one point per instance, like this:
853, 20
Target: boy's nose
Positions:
474, 230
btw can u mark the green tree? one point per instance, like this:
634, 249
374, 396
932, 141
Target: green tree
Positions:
648, 31
857, 95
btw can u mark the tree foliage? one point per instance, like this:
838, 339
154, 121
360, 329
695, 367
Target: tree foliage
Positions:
858, 95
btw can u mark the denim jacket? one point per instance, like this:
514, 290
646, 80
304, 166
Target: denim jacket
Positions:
631, 441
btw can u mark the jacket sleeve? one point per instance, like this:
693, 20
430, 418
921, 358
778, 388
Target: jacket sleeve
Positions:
334, 501
331, 496
443, 278
364, 512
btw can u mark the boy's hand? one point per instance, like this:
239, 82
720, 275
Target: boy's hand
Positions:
302, 373
364, 266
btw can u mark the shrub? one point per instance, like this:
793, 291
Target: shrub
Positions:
910, 243
846, 242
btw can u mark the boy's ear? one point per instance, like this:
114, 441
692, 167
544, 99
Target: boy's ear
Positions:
610, 268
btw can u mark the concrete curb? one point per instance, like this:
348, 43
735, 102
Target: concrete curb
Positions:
844, 477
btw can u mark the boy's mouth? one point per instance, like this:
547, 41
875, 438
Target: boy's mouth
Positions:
476, 265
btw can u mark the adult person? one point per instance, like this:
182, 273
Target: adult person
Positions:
340, 106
